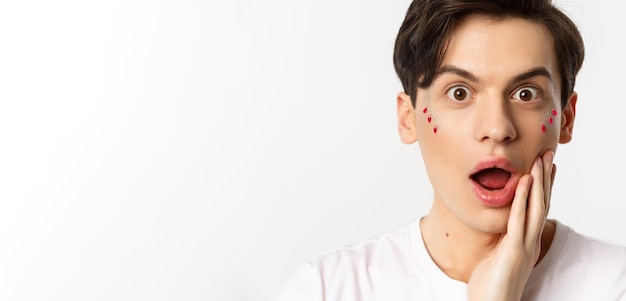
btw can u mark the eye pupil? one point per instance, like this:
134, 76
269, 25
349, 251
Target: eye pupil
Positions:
460, 94
526, 95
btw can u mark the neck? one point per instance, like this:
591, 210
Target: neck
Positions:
456, 248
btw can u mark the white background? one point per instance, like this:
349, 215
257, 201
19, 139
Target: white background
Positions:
192, 150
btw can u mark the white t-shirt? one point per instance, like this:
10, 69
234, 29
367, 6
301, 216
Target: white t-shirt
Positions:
396, 266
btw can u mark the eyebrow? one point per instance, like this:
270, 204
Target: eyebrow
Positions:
456, 71
539, 71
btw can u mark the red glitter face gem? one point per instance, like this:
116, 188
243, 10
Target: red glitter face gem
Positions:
435, 130
430, 119
554, 112
550, 120
425, 110
543, 128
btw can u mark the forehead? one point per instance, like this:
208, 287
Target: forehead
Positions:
497, 48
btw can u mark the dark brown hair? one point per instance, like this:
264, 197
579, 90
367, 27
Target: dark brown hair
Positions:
424, 35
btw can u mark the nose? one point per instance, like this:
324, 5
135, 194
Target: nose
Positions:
494, 122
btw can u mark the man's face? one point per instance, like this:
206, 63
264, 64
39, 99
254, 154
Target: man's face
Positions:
493, 108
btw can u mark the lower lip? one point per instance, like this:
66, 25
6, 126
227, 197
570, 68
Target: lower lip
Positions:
495, 198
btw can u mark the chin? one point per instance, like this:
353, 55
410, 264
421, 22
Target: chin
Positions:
494, 222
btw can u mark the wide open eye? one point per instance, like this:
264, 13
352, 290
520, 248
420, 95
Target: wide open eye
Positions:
459, 93
526, 94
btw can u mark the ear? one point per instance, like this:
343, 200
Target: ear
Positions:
567, 119
406, 119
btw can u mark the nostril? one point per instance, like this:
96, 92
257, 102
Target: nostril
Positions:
500, 136
495, 123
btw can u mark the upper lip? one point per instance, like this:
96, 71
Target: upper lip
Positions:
494, 162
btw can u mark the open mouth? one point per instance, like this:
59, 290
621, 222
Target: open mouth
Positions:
493, 179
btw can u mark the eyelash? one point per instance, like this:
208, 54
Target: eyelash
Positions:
451, 90
536, 92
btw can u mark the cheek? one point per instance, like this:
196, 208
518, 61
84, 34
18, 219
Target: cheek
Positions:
549, 121
429, 119
547, 130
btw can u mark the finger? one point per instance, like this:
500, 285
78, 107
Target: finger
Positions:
548, 157
517, 217
551, 185
536, 206
548, 178
552, 175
